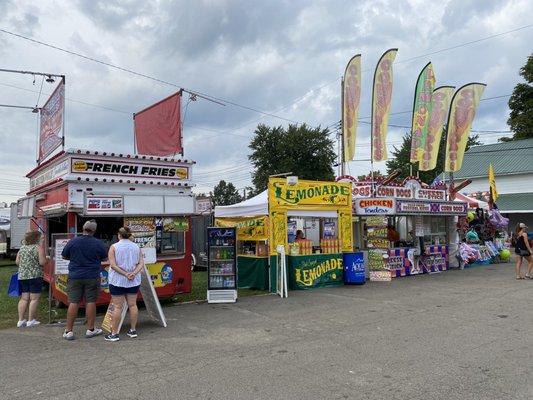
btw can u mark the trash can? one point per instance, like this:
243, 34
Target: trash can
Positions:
354, 268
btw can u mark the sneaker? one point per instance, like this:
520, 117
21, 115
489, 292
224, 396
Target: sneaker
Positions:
21, 324
132, 333
33, 322
112, 337
93, 333
68, 335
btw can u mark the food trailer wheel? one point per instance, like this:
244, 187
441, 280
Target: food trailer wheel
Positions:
193, 261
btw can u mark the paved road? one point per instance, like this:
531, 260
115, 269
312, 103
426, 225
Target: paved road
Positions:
456, 335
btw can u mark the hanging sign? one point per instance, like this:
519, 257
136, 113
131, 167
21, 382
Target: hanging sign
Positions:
254, 228
49, 174
104, 204
203, 206
309, 193
128, 169
439, 208
51, 124
374, 206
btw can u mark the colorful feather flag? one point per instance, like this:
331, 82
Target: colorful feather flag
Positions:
462, 113
421, 112
381, 101
350, 105
440, 103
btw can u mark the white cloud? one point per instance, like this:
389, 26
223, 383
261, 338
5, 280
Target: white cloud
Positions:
263, 54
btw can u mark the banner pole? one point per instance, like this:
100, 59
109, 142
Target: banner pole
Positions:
341, 135
38, 152
134, 137
63, 78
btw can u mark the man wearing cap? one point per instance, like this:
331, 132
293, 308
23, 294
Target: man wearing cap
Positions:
85, 254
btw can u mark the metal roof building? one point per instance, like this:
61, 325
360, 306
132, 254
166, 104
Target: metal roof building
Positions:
513, 170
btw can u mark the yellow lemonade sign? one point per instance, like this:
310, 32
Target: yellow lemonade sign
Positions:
309, 194
254, 228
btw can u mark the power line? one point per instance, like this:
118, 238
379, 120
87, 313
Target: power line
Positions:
209, 97
15, 106
464, 44
153, 78
69, 99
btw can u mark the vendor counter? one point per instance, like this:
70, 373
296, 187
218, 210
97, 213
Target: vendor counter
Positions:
314, 270
252, 272
403, 263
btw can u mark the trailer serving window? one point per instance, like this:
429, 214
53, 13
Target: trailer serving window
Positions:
170, 234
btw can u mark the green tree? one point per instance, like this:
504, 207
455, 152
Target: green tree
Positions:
303, 151
401, 158
521, 104
376, 174
225, 194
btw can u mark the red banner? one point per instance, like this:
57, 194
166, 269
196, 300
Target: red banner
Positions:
51, 126
158, 128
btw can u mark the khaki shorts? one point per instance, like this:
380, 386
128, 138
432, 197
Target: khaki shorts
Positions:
79, 288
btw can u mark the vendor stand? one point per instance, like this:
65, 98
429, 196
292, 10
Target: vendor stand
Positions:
407, 228
323, 212
151, 195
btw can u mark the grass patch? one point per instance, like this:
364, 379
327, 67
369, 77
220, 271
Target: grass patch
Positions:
8, 305
6, 262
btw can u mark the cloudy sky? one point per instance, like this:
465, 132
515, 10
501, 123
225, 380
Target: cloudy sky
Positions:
280, 57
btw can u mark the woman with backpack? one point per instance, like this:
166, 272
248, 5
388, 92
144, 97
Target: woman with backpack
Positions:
523, 250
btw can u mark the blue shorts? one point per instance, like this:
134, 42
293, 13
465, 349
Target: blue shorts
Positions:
121, 291
34, 285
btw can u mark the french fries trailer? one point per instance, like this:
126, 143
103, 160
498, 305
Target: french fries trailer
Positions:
151, 195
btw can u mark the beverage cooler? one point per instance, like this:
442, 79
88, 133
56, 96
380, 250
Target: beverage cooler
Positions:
222, 265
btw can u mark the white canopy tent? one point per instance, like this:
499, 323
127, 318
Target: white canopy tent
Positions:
258, 205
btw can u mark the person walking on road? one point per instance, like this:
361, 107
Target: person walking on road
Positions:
126, 263
85, 254
30, 260
523, 251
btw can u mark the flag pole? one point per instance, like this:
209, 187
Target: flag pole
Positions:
341, 135
134, 137
64, 79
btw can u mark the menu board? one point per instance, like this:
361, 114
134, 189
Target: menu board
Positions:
378, 244
61, 265
376, 233
143, 233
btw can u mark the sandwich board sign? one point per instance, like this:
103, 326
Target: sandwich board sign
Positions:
151, 301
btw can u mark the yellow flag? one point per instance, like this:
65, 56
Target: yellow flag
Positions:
350, 105
440, 103
381, 100
460, 118
492, 183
